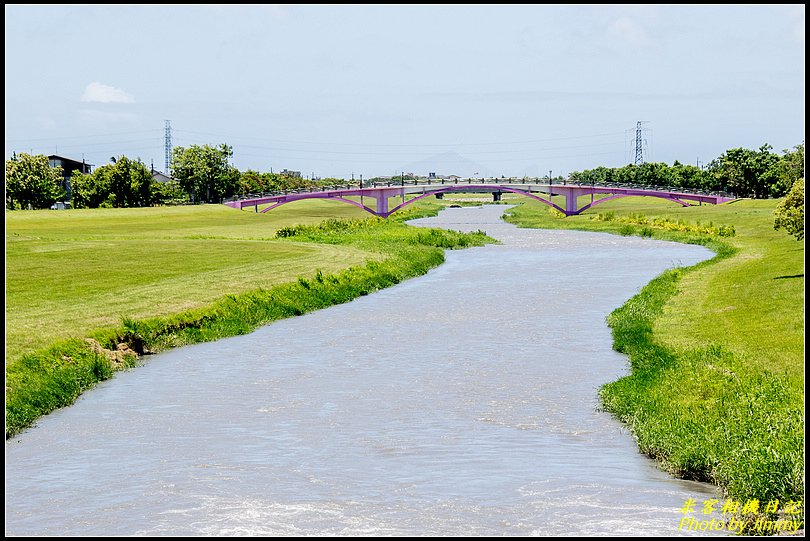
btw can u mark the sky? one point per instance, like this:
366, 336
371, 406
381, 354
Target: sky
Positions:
376, 90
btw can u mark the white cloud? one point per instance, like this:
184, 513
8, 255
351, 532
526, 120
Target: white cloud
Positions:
99, 93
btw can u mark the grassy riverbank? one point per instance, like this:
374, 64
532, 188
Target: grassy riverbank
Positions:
141, 280
716, 350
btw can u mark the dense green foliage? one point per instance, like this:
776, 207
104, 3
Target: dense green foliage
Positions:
745, 173
254, 182
168, 193
122, 183
790, 212
32, 182
204, 172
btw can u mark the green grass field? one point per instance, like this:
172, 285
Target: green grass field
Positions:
68, 272
751, 303
91, 292
717, 351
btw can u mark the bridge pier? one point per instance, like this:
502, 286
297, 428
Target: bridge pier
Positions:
381, 196
383, 207
571, 195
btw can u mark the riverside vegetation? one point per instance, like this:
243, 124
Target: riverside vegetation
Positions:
91, 291
716, 390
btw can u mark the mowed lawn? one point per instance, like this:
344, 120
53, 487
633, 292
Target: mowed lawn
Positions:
751, 303
69, 272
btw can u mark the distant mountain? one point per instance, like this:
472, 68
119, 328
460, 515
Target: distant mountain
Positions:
447, 163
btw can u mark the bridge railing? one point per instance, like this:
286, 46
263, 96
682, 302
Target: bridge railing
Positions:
472, 180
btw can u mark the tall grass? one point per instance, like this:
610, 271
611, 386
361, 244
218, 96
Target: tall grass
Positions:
703, 412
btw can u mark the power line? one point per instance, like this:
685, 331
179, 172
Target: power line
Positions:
85, 145
429, 145
59, 138
437, 160
474, 152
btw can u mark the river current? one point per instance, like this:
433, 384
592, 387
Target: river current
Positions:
462, 402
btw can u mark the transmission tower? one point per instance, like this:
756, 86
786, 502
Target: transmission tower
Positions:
640, 142
167, 143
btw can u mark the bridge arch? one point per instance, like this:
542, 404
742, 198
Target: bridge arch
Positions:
382, 195
318, 196
668, 197
462, 189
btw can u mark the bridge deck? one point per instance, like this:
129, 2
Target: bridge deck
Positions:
571, 193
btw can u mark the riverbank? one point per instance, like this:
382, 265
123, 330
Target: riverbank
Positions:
716, 350
269, 268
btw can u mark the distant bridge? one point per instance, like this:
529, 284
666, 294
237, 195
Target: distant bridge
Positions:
393, 196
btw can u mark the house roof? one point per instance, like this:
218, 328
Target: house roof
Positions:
64, 159
160, 176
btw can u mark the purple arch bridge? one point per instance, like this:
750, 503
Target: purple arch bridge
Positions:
390, 198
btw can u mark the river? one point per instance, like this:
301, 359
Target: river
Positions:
462, 402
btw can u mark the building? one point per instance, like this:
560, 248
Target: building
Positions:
68, 167
157, 176
291, 174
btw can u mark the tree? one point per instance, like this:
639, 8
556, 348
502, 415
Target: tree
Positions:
168, 193
789, 214
789, 169
30, 180
204, 172
89, 190
122, 183
253, 182
748, 173
130, 183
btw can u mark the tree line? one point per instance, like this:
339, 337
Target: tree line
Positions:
204, 174
199, 174
739, 171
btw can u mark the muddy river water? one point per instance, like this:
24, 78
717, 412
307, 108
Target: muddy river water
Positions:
463, 402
